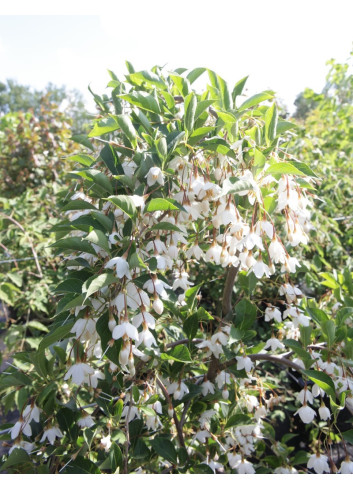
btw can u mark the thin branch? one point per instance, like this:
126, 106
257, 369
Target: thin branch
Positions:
127, 442
264, 357
183, 342
35, 256
175, 417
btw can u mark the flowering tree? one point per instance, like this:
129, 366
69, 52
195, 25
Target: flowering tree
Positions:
141, 371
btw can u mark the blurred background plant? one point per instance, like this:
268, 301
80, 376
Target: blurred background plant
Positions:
36, 137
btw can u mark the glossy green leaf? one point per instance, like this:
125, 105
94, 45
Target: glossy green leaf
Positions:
104, 127
180, 353
99, 238
160, 205
323, 380
125, 203
190, 111
271, 120
256, 99
128, 129
164, 448
96, 283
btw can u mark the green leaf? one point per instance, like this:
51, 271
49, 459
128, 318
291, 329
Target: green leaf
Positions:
94, 284
165, 449
191, 325
219, 145
224, 93
202, 106
322, 380
85, 160
115, 457
173, 139
190, 110
81, 465
304, 168
180, 354
53, 337
194, 74
235, 187
148, 411
95, 176
74, 243
135, 261
245, 314
198, 134
256, 99
83, 139
238, 88
298, 349
14, 379
69, 285
99, 238
271, 119
143, 101
348, 436
329, 330
283, 169
104, 127
166, 226
17, 457
203, 315
238, 419
104, 220
283, 126
160, 205
128, 129
78, 204
317, 315
147, 78
125, 203
110, 158
190, 295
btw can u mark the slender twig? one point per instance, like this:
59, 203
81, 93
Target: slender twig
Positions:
35, 256
175, 417
183, 342
127, 433
10, 254
264, 357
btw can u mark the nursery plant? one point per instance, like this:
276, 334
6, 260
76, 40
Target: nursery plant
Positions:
180, 320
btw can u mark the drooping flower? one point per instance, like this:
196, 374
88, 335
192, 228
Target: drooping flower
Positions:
306, 414
79, 372
207, 388
125, 328
106, 443
319, 463
244, 362
274, 344
86, 421
155, 175
51, 434
346, 466
121, 267
324, 412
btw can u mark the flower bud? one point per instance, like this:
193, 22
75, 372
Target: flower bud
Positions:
225, 394
158, 306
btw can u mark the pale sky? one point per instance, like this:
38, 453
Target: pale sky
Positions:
282, 45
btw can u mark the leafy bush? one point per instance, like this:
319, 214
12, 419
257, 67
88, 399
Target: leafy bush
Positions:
143, 372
